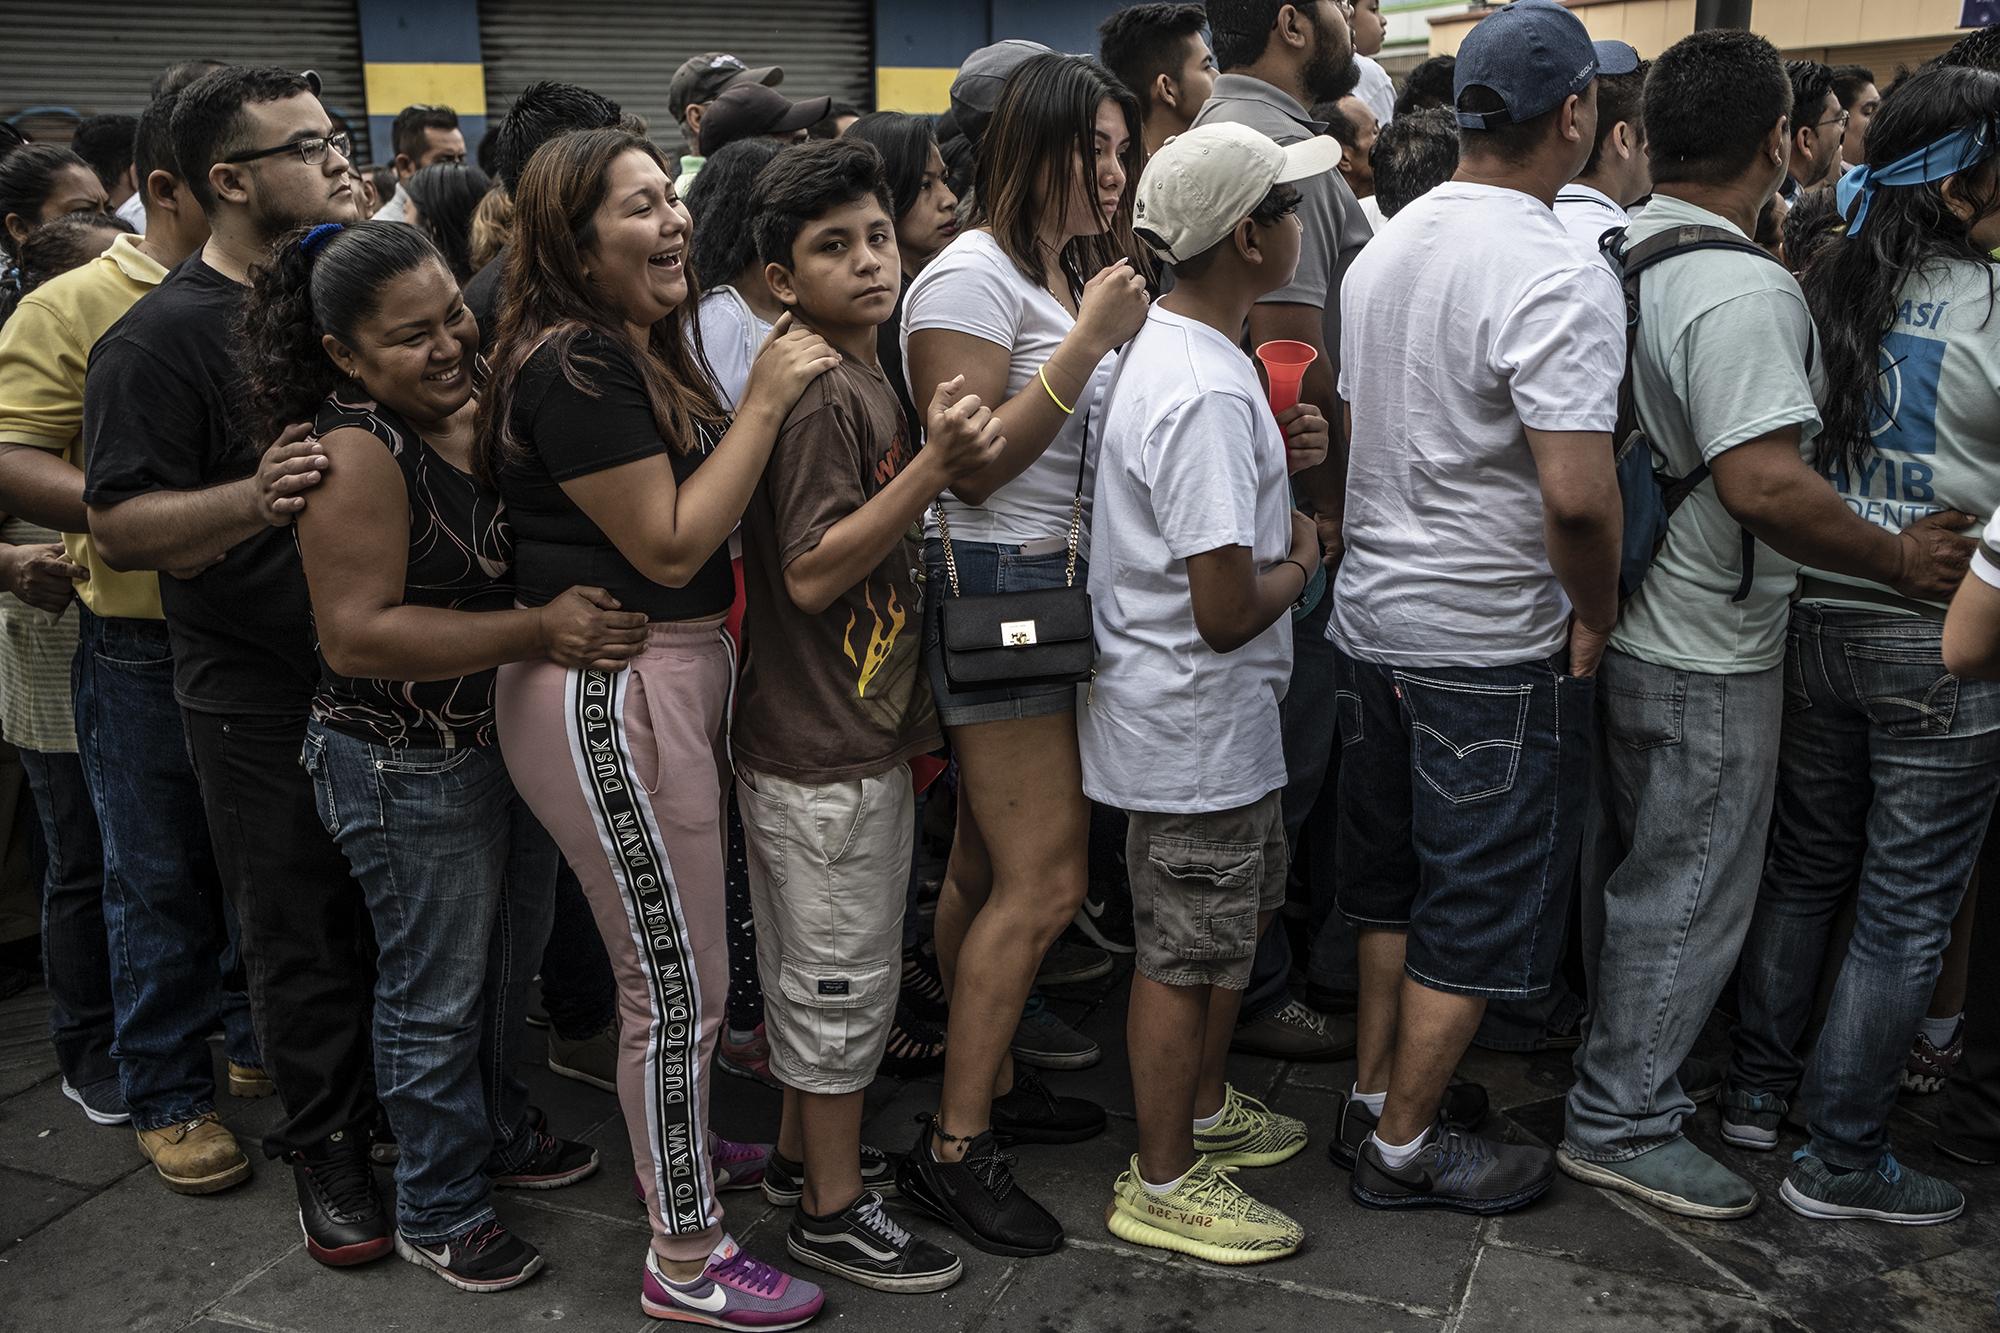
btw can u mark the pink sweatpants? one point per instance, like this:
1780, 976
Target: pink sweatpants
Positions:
626, 770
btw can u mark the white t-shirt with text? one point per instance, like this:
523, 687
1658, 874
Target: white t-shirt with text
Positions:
1191, 462
1470, 319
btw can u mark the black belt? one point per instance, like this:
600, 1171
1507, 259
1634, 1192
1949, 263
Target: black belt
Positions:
1815, 589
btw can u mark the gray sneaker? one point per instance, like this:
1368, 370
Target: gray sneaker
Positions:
1464, 1107
1886, 1192
1750, 1119
1046, 1042
1456, 1169
1675, 1177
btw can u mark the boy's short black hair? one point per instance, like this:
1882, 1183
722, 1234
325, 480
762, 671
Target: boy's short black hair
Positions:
1141, 42
408, 135
208, 121
106, 143
1428, 85
805, 183
1414, 154
1281, 199
1711, 99
543, 111
1619, 97
153, 139
1811, 82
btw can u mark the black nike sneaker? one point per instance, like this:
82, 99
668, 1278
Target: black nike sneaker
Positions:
866, 1246
1465, 1106
1455, 1169
553, 1163
340, 1211
483, 1257
1029, 1113
978, 1197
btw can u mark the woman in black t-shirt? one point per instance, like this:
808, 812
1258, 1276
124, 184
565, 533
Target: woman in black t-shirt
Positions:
408, 559
620, 468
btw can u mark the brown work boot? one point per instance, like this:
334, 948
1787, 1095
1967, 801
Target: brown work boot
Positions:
198, 1156
248, 1081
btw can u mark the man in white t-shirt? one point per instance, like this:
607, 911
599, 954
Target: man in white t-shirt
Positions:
1481, 357
1725, 374
1198, 560
1618, 174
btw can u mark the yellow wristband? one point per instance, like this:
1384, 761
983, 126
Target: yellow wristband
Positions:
1043, 375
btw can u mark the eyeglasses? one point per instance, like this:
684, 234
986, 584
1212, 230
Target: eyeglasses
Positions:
311, 151
1840, 120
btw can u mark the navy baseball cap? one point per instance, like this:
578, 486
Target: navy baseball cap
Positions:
1533, 54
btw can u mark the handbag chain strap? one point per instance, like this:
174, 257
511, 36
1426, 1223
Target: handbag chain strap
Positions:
1075, 520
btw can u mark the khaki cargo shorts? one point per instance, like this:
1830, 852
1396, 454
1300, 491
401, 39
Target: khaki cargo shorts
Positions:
1199, 882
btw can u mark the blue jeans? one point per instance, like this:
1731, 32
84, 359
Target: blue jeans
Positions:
175, 965
984, 567
1463, 792
76, 958
460, 884
1887, 776
1690, 760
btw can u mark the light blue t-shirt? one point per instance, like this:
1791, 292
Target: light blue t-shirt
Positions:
1937, 417
1721, 359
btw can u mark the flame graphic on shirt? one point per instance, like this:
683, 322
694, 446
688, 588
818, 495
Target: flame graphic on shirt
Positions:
888, 623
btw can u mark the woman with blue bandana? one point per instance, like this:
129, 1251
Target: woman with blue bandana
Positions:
1889, 765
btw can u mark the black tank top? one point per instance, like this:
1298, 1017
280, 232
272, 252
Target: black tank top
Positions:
461, 557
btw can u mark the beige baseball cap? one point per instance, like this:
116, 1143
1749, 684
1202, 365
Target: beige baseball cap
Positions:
1205, 181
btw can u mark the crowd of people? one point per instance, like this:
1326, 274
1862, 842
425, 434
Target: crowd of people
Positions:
1487, 557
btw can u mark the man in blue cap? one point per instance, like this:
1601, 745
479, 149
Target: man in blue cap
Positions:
1481, 353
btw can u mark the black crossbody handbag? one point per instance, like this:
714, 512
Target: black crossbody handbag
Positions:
1043, 637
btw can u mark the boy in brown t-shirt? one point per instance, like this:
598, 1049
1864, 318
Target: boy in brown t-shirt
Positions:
833, 703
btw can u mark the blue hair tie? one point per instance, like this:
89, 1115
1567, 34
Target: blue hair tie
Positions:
311, 242
1956, 152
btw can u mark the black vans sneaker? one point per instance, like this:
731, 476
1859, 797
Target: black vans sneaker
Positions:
1456, 1169
1465, 1106
554, 1163
866, 1246
784, 1179
340, 1211
978, 1197
483, 1257
1029, 1113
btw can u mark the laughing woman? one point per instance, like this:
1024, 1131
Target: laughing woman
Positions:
620, 468
362, 330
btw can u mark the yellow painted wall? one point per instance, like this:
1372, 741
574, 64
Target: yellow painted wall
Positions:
1654, 25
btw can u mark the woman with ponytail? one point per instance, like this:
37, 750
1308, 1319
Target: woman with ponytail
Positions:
1889, 765
408, 558
604, 433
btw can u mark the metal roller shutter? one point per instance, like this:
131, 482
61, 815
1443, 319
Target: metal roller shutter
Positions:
628, 49
104, 56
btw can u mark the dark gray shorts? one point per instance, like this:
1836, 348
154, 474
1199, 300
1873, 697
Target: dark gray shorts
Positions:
1199, 882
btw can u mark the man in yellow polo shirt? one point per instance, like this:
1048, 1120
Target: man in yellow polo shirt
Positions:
172, 970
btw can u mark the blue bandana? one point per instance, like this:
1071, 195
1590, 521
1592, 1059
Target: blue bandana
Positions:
1933, 162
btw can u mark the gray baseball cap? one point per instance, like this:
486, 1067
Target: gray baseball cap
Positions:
976, 90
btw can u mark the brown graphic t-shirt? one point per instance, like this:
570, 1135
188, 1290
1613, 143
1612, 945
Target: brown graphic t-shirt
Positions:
840, 695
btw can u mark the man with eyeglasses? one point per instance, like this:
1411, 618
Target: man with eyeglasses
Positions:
421, 135
171, 485
1818, 127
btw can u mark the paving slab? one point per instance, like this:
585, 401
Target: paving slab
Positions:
1951, 1294
1515, 1292
26, 1058
44, 1132
28, 1202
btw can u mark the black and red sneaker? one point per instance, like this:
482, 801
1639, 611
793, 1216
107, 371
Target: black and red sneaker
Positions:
483, 1257
340, 1211
552, 1164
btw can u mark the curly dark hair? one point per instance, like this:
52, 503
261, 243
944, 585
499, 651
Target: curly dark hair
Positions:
1855, 283
725, 242
302, 294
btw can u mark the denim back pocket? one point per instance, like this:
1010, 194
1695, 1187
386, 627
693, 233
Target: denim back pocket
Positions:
1646, 719
1465, 738
1902, 687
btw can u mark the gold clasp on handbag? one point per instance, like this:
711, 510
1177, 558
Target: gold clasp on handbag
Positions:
1017, 633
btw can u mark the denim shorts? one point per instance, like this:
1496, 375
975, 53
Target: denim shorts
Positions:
987, 567
1463, 792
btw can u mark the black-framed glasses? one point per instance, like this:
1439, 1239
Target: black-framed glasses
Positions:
1840, 120
311, 151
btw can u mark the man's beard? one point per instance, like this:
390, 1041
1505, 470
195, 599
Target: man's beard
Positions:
275, 220
1331, 73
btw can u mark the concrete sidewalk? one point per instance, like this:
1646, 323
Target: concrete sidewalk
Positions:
90, 1241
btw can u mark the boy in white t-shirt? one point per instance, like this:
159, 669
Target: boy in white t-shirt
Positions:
1197, 557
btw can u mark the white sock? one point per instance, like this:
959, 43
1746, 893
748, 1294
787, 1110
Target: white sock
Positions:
1395, 1155
1165, 1189
1374, 1101
1202, 1122
1940, 1030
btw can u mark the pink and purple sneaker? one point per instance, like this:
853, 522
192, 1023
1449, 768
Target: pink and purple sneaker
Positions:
734, 1291
738, 1166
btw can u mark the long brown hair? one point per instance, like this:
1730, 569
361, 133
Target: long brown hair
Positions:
547, 300
1044, 123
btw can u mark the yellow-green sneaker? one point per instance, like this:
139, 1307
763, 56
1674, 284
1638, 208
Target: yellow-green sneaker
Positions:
1206, 1216
1249, 1134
